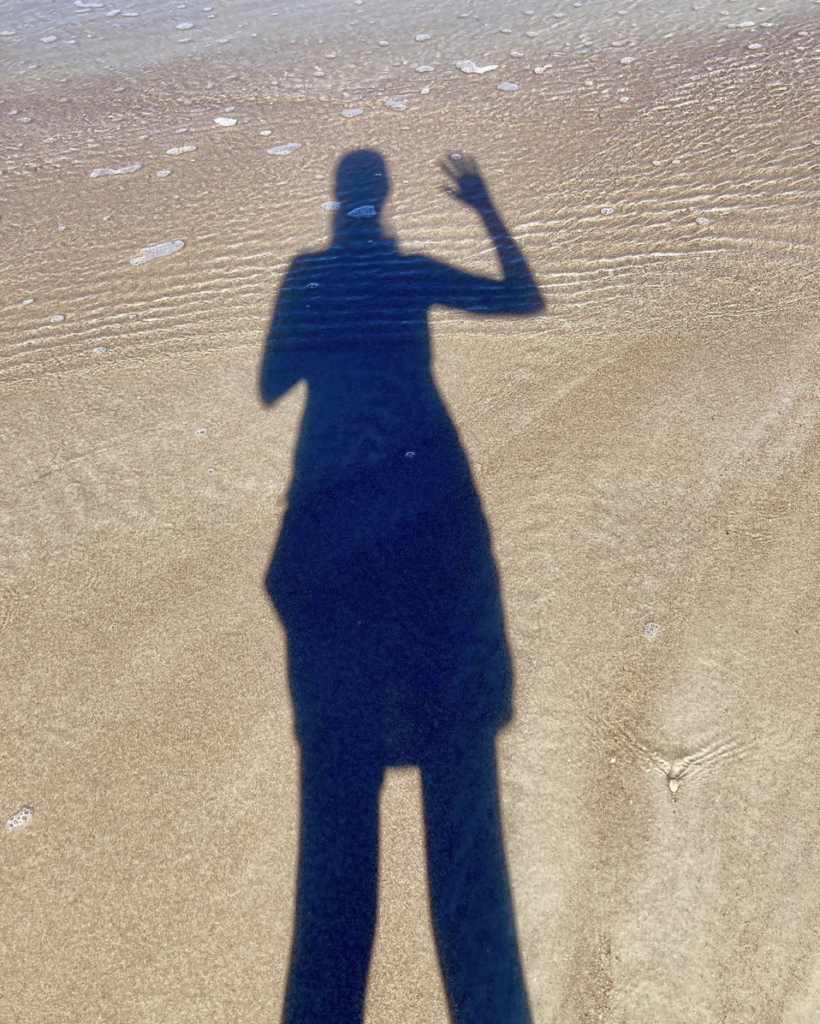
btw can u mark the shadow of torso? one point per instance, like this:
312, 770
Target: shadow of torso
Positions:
383, 574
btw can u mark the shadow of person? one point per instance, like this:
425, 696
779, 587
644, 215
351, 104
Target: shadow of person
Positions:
384, 579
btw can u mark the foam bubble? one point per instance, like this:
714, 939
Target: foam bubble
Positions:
57, 318
421, 37
151, 252
163, 173
651, 628
507, 86
100, 172
20, 817
469, 67
424, 67
363, 211
541, 69
606, 210
179, 150
331, 204
702, 220
183, 26
201, 431
49, 39
266, 132
395, 104
285, 149
352, 112
626, 60
226, 122
99, 350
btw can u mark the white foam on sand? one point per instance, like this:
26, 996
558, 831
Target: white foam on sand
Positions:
226, 122
284, 149
363, 211
100, 172
152, 252
178, 150
469, 67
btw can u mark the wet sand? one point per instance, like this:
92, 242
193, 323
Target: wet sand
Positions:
646, 451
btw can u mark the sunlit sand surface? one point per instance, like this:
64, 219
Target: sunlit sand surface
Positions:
646, 451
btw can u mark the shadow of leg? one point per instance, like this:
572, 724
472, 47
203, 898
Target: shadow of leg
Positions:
336, 890
470, 897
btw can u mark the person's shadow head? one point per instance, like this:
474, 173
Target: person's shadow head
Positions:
384, 578
361, 180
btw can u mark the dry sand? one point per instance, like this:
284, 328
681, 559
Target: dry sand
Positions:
647, 454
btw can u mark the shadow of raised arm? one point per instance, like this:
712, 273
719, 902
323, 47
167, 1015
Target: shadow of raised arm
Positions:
517, 292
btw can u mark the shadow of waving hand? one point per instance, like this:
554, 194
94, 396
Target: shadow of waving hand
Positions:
384, 579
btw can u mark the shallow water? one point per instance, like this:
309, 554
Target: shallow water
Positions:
646, 451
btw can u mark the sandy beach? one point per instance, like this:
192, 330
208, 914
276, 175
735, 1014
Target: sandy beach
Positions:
646, 449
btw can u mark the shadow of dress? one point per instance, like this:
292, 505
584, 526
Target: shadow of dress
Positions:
383, 573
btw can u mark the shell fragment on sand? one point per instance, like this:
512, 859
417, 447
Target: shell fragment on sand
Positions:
151, 252
469, 67
100, 172
20, 817
363, 211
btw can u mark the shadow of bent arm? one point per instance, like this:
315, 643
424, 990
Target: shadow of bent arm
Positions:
280, 367
516, 294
